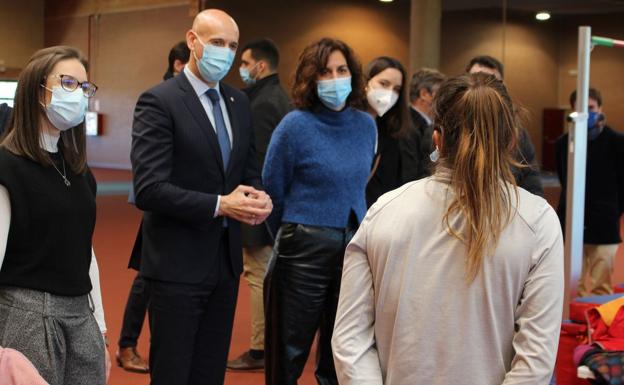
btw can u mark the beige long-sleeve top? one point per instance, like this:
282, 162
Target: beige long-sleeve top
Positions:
407, 316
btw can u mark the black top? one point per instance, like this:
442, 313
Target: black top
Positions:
604, 186
387, 176
49, 244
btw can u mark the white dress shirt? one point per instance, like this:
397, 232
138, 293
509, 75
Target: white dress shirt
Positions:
200, 88
424, 116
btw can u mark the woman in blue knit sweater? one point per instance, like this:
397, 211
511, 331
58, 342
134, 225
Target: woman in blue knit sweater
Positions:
316, 169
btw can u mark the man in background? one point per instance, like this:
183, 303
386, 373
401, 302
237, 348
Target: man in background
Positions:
269, 104
423, 87
526, 177
604, 196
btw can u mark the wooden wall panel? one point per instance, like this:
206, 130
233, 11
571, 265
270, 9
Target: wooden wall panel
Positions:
129, 49
21, 32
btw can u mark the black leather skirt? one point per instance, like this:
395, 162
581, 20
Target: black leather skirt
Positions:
301, 296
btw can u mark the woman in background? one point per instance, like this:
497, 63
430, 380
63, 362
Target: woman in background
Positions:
456, 278
315, 171
386, 101
177, 59
49, 284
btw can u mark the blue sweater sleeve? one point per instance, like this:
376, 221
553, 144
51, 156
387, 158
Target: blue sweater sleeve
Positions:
277, 173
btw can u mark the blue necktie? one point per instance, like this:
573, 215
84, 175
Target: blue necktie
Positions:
222, 134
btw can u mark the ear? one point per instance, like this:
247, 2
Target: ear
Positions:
263, 67
178, 66
424, 94
437, 140
190, 39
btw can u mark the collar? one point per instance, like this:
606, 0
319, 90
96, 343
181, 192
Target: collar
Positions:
49, 142
270, 79
424, 116
199, 86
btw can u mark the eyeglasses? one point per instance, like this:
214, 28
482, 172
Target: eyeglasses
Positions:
70, 83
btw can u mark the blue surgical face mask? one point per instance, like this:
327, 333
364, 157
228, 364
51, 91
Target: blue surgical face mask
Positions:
67, 109
215, 61
334, 92
245, 75
593, 129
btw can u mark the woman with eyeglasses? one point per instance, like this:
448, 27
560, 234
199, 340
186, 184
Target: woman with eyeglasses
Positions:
456, 278
49, 285
316, 168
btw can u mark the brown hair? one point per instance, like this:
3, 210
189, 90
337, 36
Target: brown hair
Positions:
397, 120
23, 136
475, 116
593, 94
312, 61
486, 61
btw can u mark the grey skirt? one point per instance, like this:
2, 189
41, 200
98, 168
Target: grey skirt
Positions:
58, 334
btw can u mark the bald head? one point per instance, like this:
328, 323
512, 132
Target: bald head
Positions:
211, 27
212, 20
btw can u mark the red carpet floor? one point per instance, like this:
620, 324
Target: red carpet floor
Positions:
117, 223
116, 227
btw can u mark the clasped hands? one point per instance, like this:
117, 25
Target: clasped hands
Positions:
246, 204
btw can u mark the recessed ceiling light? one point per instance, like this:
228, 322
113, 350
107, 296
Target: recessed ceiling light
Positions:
542, 16
386, 1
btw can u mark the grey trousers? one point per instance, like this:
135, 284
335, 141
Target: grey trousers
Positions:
58, 334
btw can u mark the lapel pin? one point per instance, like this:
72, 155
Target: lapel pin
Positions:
232, 99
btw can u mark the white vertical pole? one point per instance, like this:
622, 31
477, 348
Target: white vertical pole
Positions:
577, 154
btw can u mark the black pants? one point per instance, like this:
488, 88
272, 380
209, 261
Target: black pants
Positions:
134, 314
301, 297
191, 327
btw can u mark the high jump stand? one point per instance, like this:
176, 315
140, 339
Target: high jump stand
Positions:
577, 156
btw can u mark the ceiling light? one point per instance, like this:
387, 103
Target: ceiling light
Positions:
542, 16
386, 1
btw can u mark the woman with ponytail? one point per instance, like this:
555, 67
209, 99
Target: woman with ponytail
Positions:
456, 278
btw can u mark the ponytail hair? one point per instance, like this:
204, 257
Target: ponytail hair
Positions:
475, 117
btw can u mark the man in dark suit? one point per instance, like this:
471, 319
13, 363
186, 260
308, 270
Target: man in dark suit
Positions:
417, 146
196, 177
526, 177
269, 104
604, 196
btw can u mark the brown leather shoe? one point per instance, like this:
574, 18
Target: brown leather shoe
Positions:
245, 362
130, 360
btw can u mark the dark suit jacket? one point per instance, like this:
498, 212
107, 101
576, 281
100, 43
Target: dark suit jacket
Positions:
5, 114
269, 104
415, 149
178, 174
527, 177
